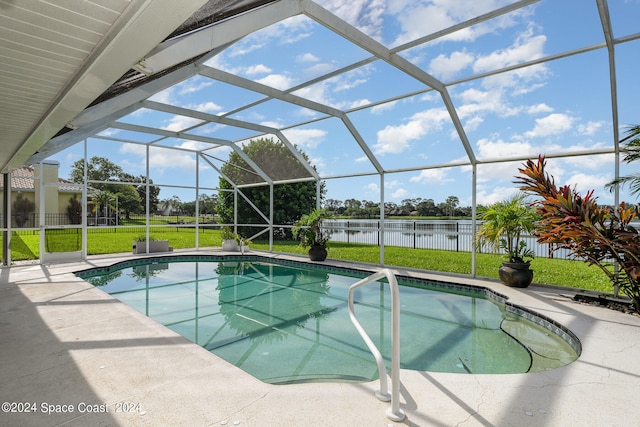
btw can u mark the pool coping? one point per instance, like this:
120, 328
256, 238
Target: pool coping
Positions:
65, 341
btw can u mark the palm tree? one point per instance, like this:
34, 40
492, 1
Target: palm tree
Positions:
505, 223
631, 150
103, 199
170, 206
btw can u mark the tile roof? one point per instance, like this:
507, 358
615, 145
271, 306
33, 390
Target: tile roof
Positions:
23, 179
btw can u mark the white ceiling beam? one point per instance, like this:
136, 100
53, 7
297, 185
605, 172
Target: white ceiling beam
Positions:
605, 19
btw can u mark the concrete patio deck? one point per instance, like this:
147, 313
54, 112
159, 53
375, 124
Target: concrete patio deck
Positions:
64, 342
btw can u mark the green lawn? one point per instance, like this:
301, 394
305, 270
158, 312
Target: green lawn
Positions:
560, 272
106, 240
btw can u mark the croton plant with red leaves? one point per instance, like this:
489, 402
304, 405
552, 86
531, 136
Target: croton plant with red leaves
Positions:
601, 236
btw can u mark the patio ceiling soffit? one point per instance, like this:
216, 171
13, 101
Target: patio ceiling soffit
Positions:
146, 22
208, 41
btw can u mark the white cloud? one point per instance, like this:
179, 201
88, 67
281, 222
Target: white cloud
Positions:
109, 132
178, 123
163, 159
207, 107
310, 138
475, 101
400, 193
366, 15
539, 109
527, 47
446, 67
308, 57
257, 69
592, 163
319, 69
321, 93
392, 184
418, 18
379, 109
590, 128
396, 139
492, 149
317, 93
372, 188
165, 96
193, 145
473, 123
278, 81
496, 194
553, 124
584, 182
284, 32
430, 176
193, 85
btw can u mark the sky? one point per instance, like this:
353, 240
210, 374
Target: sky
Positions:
554, 108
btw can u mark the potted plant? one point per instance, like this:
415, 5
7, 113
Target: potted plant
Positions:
309, 230
230, 240
504, 224
140, 244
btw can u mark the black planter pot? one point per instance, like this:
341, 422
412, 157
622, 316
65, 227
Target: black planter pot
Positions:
516, 274
318, 253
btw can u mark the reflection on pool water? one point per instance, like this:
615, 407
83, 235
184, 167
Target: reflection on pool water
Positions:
289, 322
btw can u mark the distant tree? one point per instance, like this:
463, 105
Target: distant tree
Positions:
103, 169
188, 208
22, 209
290, 200
102, 202
140, 184
128, 200
207, 204
451, 204
409, 205
388, 206
427, 208
172, 205
74, 210
333, 205
98, 169
353, 204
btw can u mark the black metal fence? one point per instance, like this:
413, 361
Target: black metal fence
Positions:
32, 220
419, 234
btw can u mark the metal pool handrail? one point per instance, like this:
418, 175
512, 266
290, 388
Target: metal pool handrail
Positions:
393, 412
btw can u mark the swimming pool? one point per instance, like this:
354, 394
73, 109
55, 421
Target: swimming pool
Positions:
287, 321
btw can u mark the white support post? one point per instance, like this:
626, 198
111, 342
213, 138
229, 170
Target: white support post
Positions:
41, 213
85, 211
382, 219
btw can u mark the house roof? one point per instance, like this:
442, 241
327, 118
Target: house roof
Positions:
22, 179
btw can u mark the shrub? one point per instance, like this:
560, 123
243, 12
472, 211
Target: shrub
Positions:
597, 234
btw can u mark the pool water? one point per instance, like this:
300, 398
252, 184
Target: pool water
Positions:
290, 323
